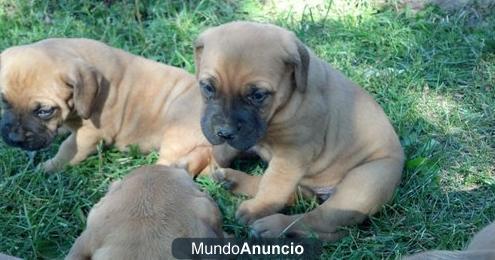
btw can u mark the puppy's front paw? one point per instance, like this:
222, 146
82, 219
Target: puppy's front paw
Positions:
272, 226
221, 176
251, 210
49, 166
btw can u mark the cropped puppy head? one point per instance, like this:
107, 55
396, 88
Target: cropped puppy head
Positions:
247, 72
41, 86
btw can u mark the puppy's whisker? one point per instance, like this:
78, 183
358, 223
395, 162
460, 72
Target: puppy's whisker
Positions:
31, 155
292, 224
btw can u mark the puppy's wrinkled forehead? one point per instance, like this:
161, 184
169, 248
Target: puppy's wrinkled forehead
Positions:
243, 51
26, 74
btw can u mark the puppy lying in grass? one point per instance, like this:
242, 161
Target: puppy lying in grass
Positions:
141, 215
99, 93
482, 247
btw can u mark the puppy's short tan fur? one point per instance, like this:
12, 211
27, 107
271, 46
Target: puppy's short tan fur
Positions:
100, 93
141, 215
316, 128
481, 247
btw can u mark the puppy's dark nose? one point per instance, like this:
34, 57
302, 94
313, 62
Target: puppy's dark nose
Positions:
226, 133
16, 137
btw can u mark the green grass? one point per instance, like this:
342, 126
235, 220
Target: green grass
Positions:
433, 73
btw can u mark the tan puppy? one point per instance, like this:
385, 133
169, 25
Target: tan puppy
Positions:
101, 94
141, 215
482, 247
266, 91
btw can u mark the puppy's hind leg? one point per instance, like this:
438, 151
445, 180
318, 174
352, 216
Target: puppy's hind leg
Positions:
77, 147
238, 182
360, 194
177, 143
195, 162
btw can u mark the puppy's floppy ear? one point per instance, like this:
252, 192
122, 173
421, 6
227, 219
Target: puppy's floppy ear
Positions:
85, 81
299, 59
198, 50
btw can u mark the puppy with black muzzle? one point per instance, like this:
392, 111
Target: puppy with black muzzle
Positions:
481, 247
142, 214
99, 93
265, 91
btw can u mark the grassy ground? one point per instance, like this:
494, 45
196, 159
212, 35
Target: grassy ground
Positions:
433, 73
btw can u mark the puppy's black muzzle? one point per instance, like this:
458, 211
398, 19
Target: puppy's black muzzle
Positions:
18, 135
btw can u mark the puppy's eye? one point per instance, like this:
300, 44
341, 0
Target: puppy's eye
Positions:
45, 113
5, 104
207, 89
3, 100
257, 96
